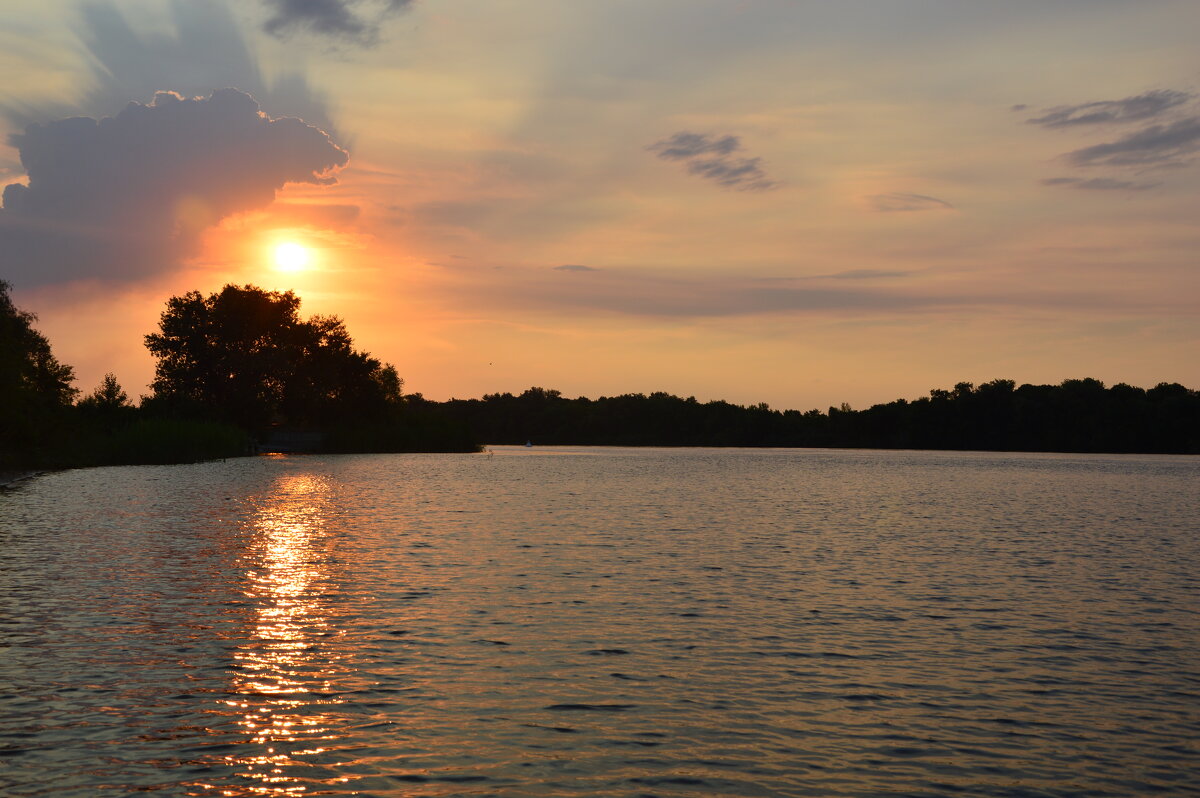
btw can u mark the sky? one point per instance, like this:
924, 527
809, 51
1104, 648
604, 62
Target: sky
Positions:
797, 202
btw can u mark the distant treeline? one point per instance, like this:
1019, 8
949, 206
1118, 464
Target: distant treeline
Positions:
240, 365
1075, 416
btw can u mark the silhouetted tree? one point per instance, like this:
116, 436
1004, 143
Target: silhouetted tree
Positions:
244, 355
1078, 415
35, 389
109, 395
108, 406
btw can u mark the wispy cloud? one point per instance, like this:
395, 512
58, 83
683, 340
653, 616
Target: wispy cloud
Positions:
712, 158
1097, 184
358, 21
633, 293
1171, 144
865, 274
743, 174
1169, 136
1130, 109
906, 202
684, 145
575, 267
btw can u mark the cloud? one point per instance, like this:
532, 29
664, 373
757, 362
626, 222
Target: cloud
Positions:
906, 202
315, 214
1130, 109
743, 174
649, 294
503, 217
356, 21
1170, 144
197, 50
865, 274
711, 157
575, 267
1097, 184
125, 197
636, 293
1172, 139
684, 145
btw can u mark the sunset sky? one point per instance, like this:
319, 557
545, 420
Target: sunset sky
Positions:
802, 202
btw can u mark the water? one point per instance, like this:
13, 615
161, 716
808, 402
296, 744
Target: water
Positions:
604, 622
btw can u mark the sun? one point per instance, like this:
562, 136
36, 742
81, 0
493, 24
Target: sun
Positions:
291, 257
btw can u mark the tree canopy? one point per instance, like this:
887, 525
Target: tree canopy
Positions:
1079, 415
244, 355
34, 387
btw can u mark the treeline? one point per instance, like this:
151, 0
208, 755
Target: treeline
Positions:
239, 366
1075, 416
232, 370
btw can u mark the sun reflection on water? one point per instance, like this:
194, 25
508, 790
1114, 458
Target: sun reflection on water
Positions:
286, 677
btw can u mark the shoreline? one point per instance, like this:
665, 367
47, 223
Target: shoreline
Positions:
10, 478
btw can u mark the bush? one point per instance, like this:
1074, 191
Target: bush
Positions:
165, 441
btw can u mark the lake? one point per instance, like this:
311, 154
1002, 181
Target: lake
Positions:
605, 622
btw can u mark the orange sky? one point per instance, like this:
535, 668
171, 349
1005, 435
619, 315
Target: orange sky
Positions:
802, 203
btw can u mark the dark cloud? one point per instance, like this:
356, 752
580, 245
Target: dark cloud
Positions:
575, 267
1172, 139
684, 145
712, 158
906, 202
1131, 109
1097, 184
743, 174
1170, 144
198, 51
126, 197
357, 21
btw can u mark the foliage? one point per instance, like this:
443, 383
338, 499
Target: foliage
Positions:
244, 356
1075, 416
414, 426
229, 365
164, 441
108, 406
109, 395
234, 362
35, 389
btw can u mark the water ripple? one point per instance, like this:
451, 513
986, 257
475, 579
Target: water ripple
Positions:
604, 622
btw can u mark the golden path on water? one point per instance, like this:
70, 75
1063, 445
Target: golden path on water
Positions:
285, 682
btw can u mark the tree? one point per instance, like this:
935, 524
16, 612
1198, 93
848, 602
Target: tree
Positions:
108, 406
109, 395
27, 365
35, 388
244, 355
